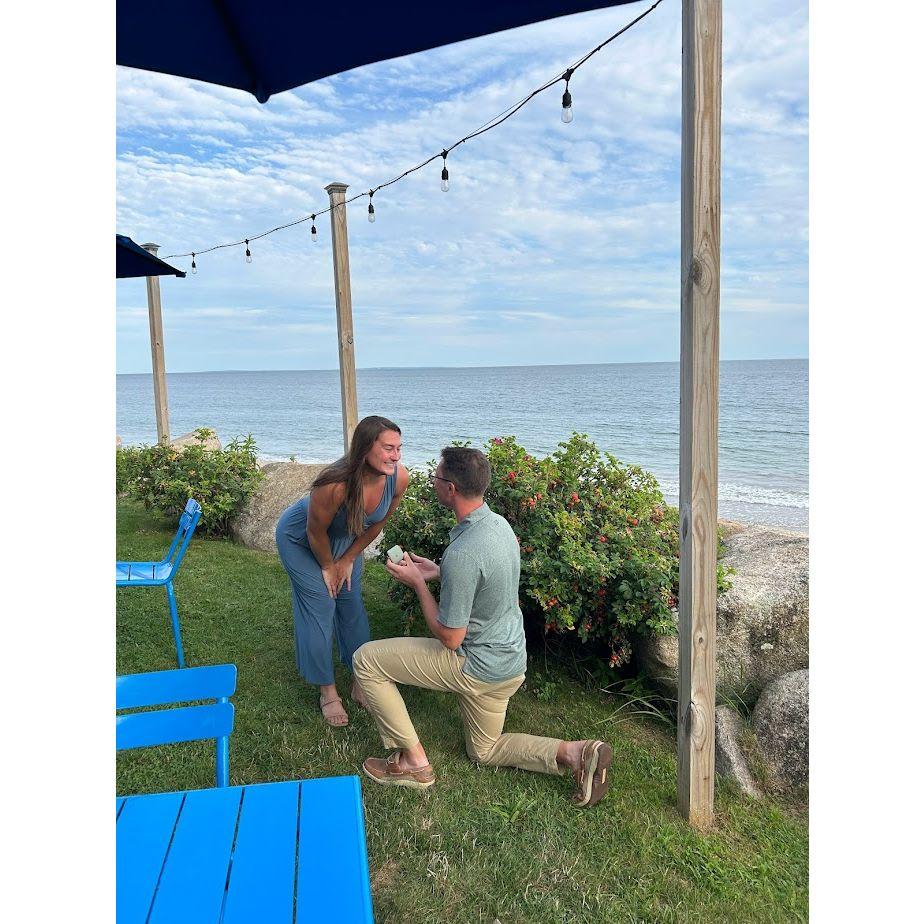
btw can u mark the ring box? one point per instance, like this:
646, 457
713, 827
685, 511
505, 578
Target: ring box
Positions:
395, 553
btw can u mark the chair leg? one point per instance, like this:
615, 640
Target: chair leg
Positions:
221, 761
175, 619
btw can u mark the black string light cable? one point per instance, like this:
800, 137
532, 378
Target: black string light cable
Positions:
566, 116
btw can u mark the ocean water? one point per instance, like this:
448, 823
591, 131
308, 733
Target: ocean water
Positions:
631, 410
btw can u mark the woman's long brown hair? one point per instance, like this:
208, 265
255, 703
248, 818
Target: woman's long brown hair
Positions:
349, 468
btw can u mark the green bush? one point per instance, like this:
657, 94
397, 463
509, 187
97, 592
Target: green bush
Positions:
599, 546
164, 478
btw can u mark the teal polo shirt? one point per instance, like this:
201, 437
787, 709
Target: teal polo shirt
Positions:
480, 583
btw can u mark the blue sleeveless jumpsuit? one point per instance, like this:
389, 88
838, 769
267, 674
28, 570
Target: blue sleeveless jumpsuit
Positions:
316, 614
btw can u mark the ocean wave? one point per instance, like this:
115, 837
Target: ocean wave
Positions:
730, 492
263, 458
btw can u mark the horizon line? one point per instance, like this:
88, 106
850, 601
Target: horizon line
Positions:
654, 362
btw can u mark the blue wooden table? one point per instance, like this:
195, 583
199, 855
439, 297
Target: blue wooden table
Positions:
292, 852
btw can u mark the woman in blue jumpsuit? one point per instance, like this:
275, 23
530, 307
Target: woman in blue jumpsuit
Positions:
321, 538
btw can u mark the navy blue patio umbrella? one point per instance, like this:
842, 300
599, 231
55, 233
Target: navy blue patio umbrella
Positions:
133, 260
270, 46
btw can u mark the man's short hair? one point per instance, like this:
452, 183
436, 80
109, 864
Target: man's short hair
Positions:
468, 469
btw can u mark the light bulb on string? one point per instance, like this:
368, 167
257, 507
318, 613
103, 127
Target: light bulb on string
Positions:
444, 179
314, 231
247, 255
566, 113
371, 207
193, 267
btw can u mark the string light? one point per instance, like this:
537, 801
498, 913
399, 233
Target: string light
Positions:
567, 115
193, 267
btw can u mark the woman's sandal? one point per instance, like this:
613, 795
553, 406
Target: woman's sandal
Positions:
334, 718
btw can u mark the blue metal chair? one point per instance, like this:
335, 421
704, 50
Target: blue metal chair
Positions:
162, 573
178, 723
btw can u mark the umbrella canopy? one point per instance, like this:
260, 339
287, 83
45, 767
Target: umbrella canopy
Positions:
132, 260
268, 46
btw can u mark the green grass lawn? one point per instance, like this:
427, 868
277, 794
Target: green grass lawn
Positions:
482, 844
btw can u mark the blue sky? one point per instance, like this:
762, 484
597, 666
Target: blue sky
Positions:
555, 244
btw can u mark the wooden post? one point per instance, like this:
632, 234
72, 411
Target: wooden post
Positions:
157, 353
699, 406
344, 300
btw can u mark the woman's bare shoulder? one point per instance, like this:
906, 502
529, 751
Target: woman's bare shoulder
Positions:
329, 496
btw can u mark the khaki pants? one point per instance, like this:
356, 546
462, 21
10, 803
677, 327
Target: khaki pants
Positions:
425, 662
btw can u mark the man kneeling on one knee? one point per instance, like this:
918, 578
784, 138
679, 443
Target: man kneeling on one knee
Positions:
478, 652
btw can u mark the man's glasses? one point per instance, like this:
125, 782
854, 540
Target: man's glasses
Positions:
433, 478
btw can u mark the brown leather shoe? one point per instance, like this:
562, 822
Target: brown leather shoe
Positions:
593, 780
387, 772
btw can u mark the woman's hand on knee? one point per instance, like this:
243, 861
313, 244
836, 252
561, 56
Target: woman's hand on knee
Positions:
331, 580
342, 573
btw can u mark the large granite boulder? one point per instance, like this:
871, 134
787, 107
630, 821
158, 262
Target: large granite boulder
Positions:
730, 759
191, 439
283, 483
781, 724
762, 622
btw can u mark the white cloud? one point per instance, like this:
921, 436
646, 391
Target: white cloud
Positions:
562, 221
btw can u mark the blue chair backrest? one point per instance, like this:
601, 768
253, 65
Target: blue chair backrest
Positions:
189, 519
179, 723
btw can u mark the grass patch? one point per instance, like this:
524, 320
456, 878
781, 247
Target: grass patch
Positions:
484, 844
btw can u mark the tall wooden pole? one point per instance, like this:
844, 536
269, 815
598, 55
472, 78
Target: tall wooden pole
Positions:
157, 353
699, 406
344, 301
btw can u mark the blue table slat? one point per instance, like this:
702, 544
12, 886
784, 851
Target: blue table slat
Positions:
193, 883
143, 834
119, 804
333, 872
262, 883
